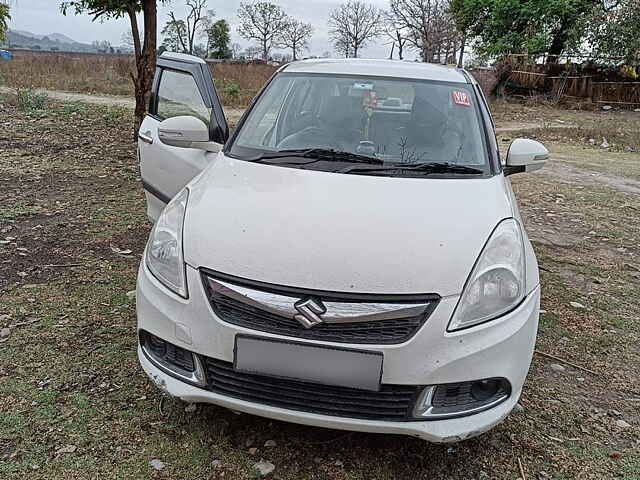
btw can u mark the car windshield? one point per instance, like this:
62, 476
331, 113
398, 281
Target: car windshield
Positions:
386, 126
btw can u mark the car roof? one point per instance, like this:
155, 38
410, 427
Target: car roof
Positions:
181, 57
380, 68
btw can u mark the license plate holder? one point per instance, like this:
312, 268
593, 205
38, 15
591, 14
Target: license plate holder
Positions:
327, 365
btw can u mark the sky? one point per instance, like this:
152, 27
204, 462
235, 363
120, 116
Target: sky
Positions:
44, 17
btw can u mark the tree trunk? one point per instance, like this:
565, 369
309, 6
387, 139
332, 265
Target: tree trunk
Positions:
557, 45
560, 37
135, 33
145, 65
462, 42
265, 54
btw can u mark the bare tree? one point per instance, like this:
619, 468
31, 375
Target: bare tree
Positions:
397, 34
127, 39
263, 22
295, 35
186, 30
236, 48
353, 24
430, 27
342, 47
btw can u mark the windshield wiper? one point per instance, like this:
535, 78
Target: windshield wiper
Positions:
428, 167
315, 154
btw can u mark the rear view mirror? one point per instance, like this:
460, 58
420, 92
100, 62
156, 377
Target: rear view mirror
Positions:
525, 155
186, 132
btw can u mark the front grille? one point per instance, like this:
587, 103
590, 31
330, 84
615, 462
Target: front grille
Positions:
392, 402
389, 331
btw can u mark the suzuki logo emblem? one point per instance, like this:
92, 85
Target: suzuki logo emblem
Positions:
309, 310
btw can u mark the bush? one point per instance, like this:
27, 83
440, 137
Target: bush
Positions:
231, 89
29, 99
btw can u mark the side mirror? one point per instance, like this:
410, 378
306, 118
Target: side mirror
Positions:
186, 132
525, 155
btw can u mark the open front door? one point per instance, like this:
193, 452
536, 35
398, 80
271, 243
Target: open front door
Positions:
183, 85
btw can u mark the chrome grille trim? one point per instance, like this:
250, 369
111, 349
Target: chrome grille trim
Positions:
336, 312
328, 316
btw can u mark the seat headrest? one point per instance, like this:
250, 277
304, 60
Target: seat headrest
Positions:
340, 109
424, 112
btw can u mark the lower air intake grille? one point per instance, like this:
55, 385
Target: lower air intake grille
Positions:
167, 352
470, 394
392, 402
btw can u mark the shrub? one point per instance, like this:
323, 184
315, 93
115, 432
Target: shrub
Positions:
29, 99
232, 89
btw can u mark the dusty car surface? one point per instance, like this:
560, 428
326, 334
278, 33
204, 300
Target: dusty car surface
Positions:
352, 257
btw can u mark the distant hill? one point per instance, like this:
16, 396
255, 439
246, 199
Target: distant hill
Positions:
55, 37
52, 41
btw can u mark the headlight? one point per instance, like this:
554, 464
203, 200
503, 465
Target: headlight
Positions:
497, 282
164, 248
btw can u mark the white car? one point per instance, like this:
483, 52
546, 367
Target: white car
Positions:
351, 258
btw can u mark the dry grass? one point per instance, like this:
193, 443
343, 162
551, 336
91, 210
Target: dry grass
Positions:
110, 74
70, 72
249, 78
546, 122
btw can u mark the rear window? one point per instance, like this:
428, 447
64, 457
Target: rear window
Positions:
394, 121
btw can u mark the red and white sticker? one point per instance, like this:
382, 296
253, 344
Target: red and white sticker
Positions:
461, 98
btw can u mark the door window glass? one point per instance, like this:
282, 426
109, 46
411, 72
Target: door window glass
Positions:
178, 94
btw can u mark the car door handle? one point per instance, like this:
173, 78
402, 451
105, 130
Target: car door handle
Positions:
146, 137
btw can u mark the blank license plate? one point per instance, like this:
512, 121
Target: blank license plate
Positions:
292, 360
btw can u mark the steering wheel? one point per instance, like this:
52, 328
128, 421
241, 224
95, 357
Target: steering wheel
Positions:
312, 132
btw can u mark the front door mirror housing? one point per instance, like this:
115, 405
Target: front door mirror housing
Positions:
186, 131
525, 155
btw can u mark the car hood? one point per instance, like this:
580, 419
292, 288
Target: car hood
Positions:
339, 232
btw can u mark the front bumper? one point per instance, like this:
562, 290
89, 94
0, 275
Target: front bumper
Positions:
502, 348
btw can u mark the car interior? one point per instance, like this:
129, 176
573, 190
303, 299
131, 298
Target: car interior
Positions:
393, 120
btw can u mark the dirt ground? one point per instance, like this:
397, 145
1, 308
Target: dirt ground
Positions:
75, 404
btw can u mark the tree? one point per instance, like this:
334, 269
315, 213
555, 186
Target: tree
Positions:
200, 50
263, 22
353, 24
236, 48
186, 30
295, 35
101, 46
463, 22
251, 52
4, 21
614, 31
218, 40
172, 33
395, 31
127, 39
515, 26
429, 26
144, 47
342, 47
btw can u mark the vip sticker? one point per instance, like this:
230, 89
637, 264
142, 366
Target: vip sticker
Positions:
461, 98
